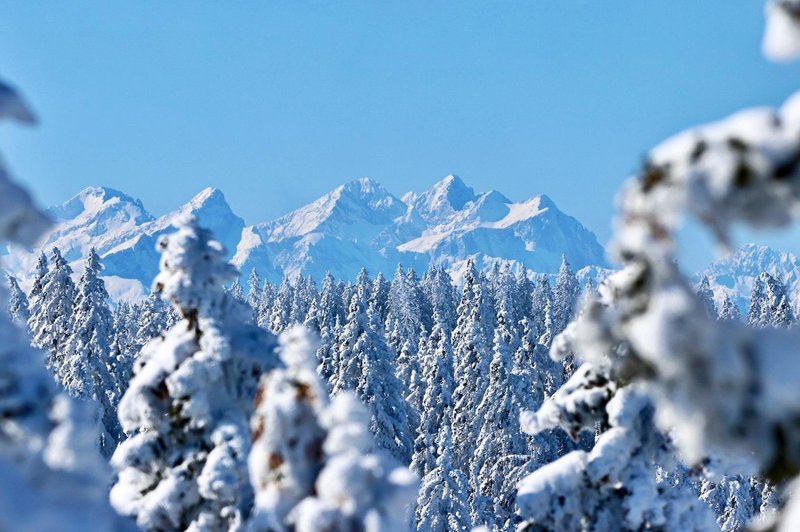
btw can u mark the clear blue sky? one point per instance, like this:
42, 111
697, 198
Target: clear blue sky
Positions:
277, 102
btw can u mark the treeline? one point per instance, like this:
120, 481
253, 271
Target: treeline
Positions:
432, 362
445, 371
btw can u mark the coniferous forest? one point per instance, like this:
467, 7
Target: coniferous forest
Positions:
505, 400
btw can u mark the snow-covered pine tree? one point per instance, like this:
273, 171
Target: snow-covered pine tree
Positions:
266, 300
311, 320
254, 291
471, 358
524, 292
380, 295
326, 352
305, 294
443, 502
756, 305
626, 482
359, 488
236, 290
440, 294
347, 368
188, 405
565, 296
706, 295
404, 318
38, 280
51, 477
783, 317
87, 368
331, 305
769, 303
287, 457
281, 313
541, 297
436, 358
652, 333
505, 295
313, 464
418, 294
379, 388
17, 302
499, 449
409, 373
122, 350
776, 311
735, 499
151, 320
729, 310
51, 312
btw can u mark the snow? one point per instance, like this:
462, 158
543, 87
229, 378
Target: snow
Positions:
357, 224
782, 33
124, 234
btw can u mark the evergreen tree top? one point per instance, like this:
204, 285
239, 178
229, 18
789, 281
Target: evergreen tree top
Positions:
193, 270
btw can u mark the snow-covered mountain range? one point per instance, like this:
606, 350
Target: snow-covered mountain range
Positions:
734, 275
357, 224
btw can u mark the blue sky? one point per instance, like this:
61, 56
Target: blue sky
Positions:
278, 102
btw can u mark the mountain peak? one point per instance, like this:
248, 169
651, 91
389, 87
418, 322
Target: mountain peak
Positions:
454, 191
94, 199
208, 195
363, 187
446, 197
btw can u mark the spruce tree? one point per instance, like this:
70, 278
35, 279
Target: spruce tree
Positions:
379, 388
499, 437
87, 368
407, 308
380, 295
706, 295
541, 298
437, 401
266, 300
313, 465
440, 294
442, 505
565, 296
359, 488
287, 456
347, 362
281, 313
17, 302
151, 320
254, 291
51, 312
42, 268
729, 310
188, 405
471, 355
236, 290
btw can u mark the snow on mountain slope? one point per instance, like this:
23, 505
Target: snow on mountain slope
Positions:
137, 258
533, 233
358, 224
362, 224
338, 232
124, 234
96, 217
735, 274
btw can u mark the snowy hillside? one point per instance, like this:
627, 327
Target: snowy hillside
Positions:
357, 224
